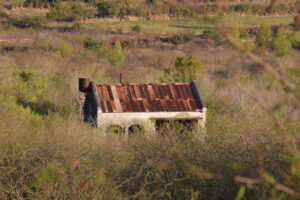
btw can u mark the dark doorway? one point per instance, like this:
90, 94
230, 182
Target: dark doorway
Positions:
136, 129
117, 129
178, 126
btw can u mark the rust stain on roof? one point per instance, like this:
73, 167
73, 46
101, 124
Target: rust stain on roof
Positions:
138, 97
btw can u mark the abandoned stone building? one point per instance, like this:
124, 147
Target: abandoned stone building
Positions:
125, 107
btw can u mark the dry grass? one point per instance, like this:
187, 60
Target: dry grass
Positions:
56, 156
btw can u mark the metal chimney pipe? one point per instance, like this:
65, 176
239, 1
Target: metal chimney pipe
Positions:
83, 84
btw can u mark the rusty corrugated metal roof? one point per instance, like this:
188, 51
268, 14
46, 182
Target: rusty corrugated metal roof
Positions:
138, 97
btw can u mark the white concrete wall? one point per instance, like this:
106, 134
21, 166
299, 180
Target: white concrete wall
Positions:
146, 119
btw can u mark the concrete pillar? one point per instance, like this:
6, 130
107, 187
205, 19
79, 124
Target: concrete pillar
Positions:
150, 127
126, 131
204, 110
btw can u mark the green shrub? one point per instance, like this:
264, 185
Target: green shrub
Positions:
137, 28
188, 68
108, 8
281, 45
184, 70
31, 91
212, 34
294, 38
66, 50
89, 43
9, 105
43, 45
242, 8
30, 85
264, 35
70, 11
28, 22
116, 56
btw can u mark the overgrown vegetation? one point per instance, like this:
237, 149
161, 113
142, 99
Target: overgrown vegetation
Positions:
249, 81
145, 8
184, 70
74, 11
28, 22
280, 44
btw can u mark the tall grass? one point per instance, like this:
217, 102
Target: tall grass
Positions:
54, 155
57, 156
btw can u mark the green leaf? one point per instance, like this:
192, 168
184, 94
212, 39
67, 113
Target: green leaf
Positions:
241, 193
270, 179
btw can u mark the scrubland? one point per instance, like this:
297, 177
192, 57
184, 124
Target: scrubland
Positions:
248, 150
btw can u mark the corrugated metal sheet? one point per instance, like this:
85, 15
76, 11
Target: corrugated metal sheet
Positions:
137, 97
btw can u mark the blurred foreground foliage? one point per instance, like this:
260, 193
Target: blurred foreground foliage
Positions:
46, 152
51, 155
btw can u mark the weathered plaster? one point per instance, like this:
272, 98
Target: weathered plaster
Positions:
146, 119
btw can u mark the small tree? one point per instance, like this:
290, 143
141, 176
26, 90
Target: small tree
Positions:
30, 85
263, 36
108, 8
116, 56
281, 45
89, 43
184, 70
